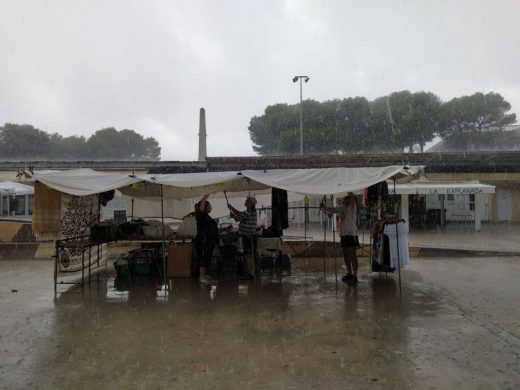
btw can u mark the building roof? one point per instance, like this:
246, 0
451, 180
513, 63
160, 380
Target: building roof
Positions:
496, 140
435, 162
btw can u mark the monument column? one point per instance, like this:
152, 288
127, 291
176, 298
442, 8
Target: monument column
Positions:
202, 135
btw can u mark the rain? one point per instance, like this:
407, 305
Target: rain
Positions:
275, 194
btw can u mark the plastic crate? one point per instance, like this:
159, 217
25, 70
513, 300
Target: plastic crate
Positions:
122, 268
142, 268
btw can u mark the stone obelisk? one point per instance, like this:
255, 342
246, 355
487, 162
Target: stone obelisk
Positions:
202, 135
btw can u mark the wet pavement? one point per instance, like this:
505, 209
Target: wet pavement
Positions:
455, 323
491, 238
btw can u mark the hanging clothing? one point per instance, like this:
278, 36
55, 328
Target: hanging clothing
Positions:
280, 211
374, 191
105, 197
395, 237
380, 249
263, 219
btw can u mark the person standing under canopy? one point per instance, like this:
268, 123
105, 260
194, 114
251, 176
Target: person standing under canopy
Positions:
247, 220
347, 215
206, 239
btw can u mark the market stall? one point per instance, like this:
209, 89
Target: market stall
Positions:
84, 183
15, 200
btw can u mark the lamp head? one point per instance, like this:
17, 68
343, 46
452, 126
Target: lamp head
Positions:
307, 78
295, 79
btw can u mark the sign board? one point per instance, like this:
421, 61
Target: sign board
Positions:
120, 216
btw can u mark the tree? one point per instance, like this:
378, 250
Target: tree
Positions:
23, 142
417, 122
382, 126
108, 143
388, 124
135, 146
275, 131
27, 142
474, 114
319, 132
68, 148
358, 134
348, 124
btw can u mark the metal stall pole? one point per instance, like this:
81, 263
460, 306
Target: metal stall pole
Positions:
82, 269
56, 259
334, 242
163, 239
397, 240
257, 268
325, 220
256, 262
305, 212
89, 262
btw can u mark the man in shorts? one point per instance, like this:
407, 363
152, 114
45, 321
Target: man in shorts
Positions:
247, 231
347, 215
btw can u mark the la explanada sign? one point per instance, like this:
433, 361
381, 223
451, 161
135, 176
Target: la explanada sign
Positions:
459, 191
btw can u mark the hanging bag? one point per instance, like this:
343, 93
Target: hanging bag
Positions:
188, 226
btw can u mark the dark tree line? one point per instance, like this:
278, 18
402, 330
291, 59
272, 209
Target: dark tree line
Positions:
26, 142
387, 124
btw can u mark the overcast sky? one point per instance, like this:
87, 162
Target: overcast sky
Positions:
74, 67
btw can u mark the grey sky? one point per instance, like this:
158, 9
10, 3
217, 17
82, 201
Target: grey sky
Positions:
74, 67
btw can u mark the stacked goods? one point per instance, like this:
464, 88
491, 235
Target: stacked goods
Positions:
142, 261
103, 232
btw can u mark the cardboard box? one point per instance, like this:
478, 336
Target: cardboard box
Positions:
180, 258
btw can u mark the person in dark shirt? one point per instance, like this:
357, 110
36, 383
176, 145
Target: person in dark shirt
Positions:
206, 238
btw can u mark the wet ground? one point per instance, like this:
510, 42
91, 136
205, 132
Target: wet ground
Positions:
455, 324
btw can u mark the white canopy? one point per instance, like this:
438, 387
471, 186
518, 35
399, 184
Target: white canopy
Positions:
442, 188
13, 188
191, 185
318, 181
325, 181
84, 181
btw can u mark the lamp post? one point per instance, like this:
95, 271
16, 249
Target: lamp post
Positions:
295, 79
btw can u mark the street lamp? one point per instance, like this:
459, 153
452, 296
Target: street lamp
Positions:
295, 79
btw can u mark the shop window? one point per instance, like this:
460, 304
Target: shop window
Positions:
18, 205
472, 202
451, 197
5, 200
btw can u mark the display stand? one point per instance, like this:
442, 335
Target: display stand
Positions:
71, 257
390, 218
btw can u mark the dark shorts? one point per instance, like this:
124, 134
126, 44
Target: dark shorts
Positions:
349, 242
249, 244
